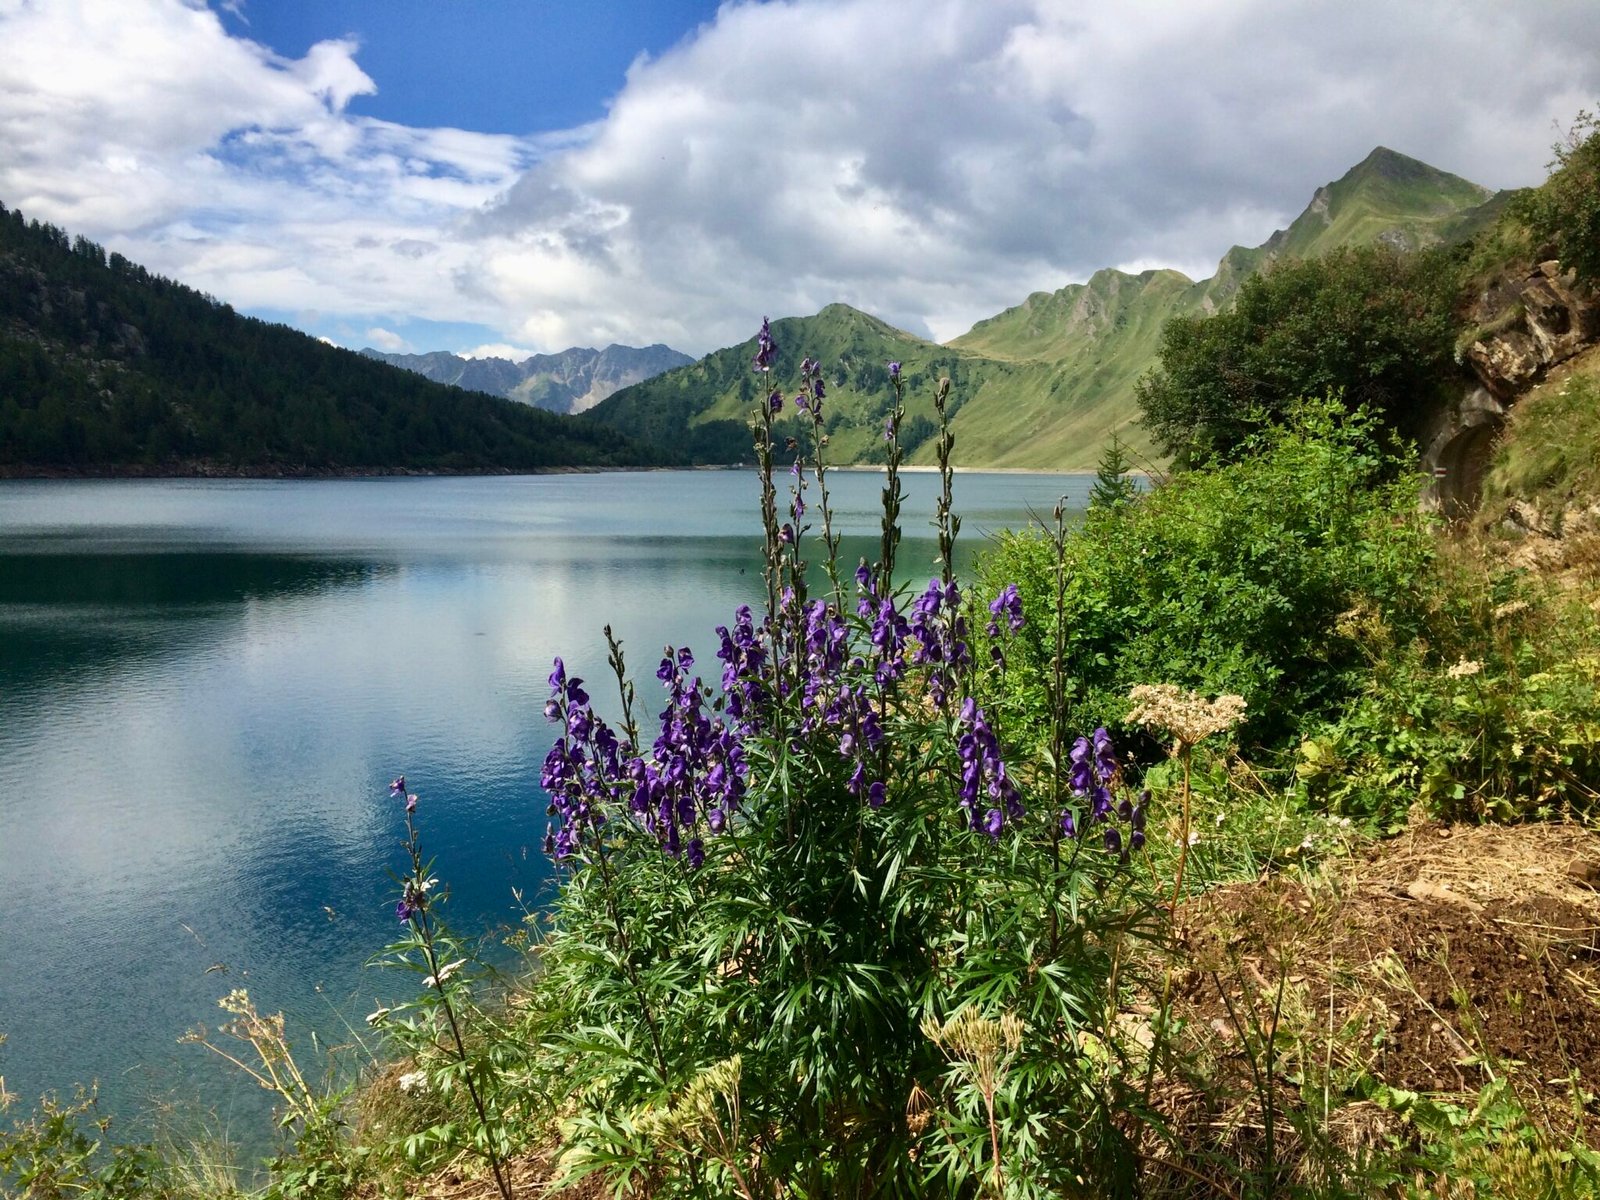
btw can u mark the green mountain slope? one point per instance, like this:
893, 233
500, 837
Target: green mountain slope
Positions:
107, 368
1081, 349
700, 411
1044, 384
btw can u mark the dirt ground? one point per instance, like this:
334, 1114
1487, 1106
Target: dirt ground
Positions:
1444, 958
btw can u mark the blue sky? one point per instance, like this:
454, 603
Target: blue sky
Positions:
513, 178
493, 66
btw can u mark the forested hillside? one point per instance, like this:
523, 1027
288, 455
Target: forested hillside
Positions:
108, 368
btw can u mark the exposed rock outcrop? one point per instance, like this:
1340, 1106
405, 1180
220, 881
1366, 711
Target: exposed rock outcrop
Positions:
1524, 324
1558, 318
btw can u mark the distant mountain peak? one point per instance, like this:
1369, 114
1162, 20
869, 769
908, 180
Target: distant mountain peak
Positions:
572, 381
1408, 179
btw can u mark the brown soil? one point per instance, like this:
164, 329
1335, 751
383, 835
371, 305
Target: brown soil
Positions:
1447, 957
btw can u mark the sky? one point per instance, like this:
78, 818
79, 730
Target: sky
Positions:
519, 177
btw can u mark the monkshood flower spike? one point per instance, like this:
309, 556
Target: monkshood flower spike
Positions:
1094, 777
817, 684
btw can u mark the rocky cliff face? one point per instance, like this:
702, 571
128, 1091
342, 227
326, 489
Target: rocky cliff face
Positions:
1529, 324
1523, 324
572, 381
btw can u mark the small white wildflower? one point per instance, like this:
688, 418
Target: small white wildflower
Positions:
1308, 843
1465, 668
445, 972
377, 1016
413, 1081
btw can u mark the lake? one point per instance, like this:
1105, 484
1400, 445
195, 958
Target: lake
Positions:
206, 686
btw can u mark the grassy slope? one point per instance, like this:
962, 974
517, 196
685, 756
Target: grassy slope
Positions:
1082, 348
1549, 453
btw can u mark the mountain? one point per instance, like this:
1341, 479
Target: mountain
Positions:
701, 410
106, 368
1044, 384
570, 382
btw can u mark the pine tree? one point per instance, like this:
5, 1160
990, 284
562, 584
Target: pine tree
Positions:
1113, 486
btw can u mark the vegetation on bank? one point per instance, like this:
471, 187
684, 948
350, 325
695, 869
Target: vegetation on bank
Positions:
1070, 881
105, 367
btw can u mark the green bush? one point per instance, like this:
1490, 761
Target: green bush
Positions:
1504, 725
1228, 581
1565, 210
1372, 324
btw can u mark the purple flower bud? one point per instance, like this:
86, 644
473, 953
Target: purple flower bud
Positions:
1136, 839
766, 349
993, 822
775, 401
894, 370
1069, 826
876, 793
411, 803
1113, 839
398, 787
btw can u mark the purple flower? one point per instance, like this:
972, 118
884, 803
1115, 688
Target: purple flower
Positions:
1008, 604
766, 348
775, 401
876, 793
1068, 825
398, 788
411, 803
894, 370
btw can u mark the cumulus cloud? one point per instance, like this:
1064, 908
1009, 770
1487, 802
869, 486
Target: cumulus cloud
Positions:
935, 162
213, 159
932, 161
387, 340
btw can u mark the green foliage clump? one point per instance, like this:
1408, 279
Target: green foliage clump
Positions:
1565, 210
1230, 581
1373, 324
1498, 719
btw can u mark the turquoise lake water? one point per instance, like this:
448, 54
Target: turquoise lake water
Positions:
206, 686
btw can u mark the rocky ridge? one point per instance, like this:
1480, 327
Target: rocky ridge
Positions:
573, 381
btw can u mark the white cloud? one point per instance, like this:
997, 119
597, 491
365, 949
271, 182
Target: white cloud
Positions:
387, 340
930, 160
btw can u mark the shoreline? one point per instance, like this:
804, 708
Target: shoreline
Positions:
15, 472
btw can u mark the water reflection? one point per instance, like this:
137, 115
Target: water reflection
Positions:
204, 688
